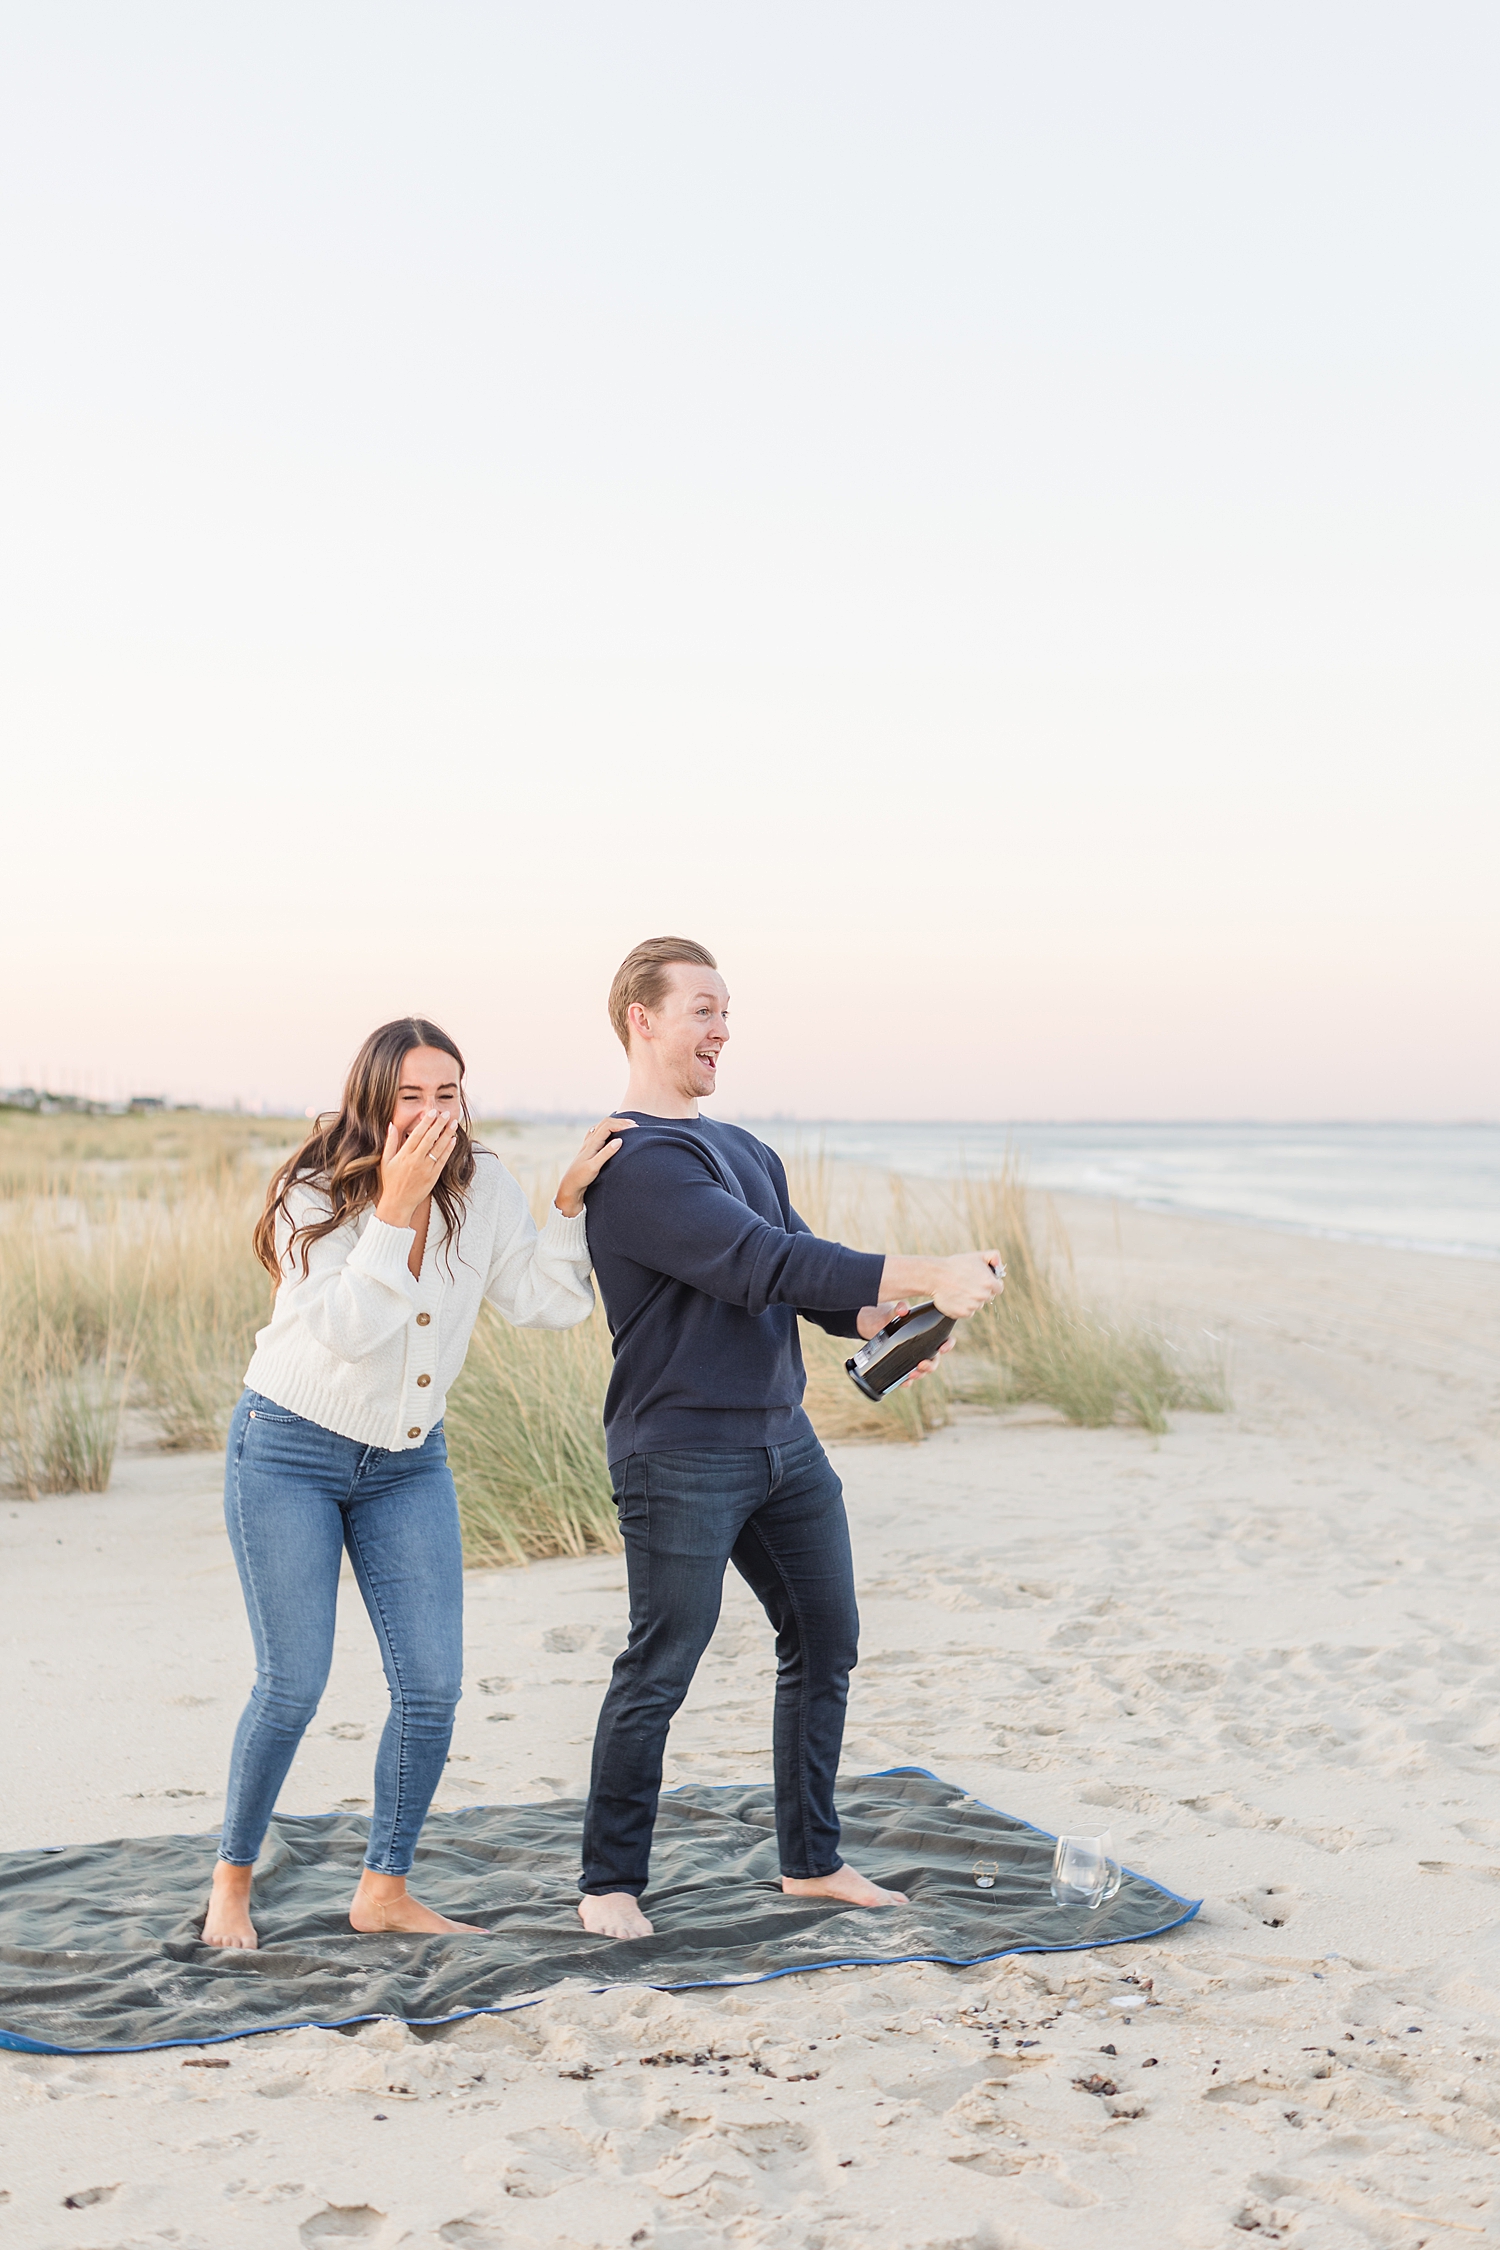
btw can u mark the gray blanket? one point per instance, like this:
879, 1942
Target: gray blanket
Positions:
100, 1950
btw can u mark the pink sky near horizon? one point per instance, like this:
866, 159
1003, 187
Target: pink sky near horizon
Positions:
958, 945
988, 521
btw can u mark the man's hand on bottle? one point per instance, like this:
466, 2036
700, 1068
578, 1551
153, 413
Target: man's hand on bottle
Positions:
967, 1282
957, 1286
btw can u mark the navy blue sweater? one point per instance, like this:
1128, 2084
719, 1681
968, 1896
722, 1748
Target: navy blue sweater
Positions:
704, 1267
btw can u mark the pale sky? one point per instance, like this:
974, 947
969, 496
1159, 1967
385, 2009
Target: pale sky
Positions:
985, 515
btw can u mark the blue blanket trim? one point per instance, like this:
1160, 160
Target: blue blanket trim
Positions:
13, 2042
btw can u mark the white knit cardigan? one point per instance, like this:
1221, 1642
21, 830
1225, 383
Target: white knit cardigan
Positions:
361, 1347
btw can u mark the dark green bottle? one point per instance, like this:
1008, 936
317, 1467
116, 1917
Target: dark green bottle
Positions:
889, 1357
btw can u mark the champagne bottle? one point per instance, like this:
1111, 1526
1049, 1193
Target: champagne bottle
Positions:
889, 1357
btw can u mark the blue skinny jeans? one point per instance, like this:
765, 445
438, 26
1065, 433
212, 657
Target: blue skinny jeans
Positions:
777, 1513
296, 1497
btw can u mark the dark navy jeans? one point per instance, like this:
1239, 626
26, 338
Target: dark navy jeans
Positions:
297, 1497
777, 1514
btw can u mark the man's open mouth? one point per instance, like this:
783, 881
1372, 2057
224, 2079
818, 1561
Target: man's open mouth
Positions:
710, 1056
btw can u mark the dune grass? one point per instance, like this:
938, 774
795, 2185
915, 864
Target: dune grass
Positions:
526, 1441
69, 1319
126, 1281
208, 1296
1041, 1344
107, 1159
876, 1215
127, 1284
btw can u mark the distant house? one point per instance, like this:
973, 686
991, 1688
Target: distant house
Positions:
43, 1104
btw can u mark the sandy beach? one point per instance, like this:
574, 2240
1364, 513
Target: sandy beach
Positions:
1262, 1647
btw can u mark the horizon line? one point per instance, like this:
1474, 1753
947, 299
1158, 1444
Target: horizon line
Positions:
170, 1104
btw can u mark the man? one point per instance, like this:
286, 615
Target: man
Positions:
704, 1268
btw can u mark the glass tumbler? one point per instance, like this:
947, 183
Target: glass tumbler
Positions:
986, 1873
1085, 1871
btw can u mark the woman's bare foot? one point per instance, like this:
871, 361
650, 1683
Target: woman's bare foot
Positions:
845, 1884
612, 1914
383, 1903
227, 1921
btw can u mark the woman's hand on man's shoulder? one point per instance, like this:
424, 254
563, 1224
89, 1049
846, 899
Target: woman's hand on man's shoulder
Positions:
603, 1141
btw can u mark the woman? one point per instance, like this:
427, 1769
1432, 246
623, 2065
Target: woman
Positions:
383, 1232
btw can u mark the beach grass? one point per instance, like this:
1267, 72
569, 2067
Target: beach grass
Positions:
126, 1282
103, 1159
1040, 1344
69, 1316
526, 1441
128, 1287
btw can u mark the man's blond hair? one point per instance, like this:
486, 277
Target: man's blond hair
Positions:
641, 980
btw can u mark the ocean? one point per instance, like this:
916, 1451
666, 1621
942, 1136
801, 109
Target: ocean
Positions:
1416, 1187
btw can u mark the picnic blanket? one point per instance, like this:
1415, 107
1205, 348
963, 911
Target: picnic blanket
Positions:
100, 1949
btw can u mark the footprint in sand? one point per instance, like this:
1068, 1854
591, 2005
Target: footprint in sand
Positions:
1043, 2175
341, 2222
1229, 1812
1123, 1797
536, 2161
1271, 1903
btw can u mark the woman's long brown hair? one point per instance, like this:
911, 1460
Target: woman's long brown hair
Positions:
341, 1155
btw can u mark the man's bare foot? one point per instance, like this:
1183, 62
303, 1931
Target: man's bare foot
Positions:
844, 1883
227, 1922
612, 1914
383, 1903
